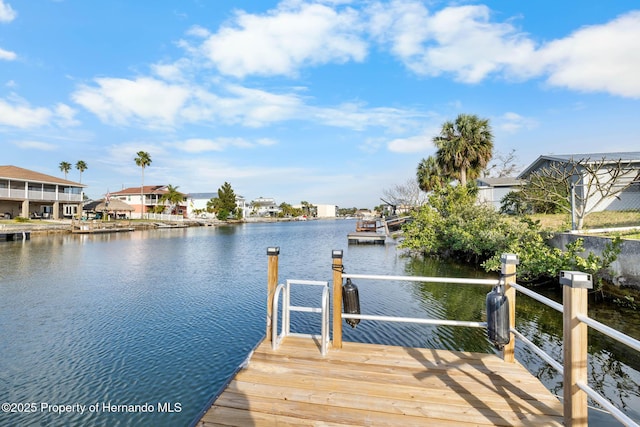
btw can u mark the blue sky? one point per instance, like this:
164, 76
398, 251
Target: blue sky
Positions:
323, 101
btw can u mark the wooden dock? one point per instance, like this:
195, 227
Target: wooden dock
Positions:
366, 237
378, 385
100, 227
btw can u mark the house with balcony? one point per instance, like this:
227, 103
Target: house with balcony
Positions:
264, 207
148, 199
31, 194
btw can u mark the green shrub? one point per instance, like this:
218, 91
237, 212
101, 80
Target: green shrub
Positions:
453, 226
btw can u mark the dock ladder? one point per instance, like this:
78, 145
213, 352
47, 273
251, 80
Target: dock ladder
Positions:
287, 308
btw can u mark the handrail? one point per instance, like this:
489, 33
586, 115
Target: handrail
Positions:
610, 332
275, 337
540, 352
440, 322
604, 329
575, 325
536, 296
617, 413
625, 339
285, 330
463, 281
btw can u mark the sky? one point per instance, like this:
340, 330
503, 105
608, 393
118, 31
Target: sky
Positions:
328, 101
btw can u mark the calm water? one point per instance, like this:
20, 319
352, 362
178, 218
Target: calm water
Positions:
162, 318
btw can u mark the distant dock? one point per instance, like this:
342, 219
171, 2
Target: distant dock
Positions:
366, 237
10, 236
99, 227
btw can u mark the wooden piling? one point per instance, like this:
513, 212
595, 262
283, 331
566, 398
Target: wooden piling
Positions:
336, 257
272, 284
575, 343
509, 262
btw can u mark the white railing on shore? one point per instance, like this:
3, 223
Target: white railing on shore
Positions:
573, 309
158, 217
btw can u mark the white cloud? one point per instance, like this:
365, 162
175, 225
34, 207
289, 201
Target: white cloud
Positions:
413, 144
199, 145
7, 14
35, 145
458, 40
279, 43
511, 122
7, 55
20, 115
464, 41
66, 115
198, 31
118, 101
603, 58
360, 117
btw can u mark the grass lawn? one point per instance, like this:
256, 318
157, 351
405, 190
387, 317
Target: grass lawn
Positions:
562, 222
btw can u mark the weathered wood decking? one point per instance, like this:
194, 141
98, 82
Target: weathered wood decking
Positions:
378, 385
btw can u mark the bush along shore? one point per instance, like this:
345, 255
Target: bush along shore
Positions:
453, 226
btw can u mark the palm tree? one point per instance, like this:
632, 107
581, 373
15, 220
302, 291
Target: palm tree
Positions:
429, 175
143, 160
81, 166
65, 167
173, 196
464, 147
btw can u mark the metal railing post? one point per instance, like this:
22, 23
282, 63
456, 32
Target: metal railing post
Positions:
336, 256
575, 301
508, 273
272, 283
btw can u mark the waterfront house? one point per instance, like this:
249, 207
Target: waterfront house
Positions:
197, 205
629, 199
264, 206
148, 199
493, 190
31, 194
326, 211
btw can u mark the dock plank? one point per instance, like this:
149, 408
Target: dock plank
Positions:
370, 384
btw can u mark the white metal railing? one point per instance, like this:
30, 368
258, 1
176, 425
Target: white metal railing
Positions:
604, 329
159, 217
441, 322
610, 332
287, 308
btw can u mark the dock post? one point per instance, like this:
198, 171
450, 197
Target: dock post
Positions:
508, 273
575, 286
336, 265
272, 284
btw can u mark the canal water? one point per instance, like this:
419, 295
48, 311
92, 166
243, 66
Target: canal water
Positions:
143, 328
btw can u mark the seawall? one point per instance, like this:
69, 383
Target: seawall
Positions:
624, 271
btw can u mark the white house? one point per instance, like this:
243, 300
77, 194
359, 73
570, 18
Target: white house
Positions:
629, 199
197, 202
493, 190
27, 193
144, 199
264, 206
326, 211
